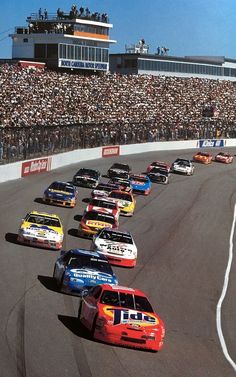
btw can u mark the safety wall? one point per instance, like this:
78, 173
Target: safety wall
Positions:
21, 169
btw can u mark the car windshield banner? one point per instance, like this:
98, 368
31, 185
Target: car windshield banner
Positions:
206, 143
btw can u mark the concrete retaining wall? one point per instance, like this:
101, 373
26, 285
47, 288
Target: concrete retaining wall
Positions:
14, 171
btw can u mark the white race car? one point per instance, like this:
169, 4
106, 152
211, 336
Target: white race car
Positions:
184, 166
118, 246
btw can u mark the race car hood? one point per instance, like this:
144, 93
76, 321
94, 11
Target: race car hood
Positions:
59, 194
123, 203
40, 230
100, 193
99, 209
114, 247
139, 185
97, 224
85, 177
91, 277
129, 318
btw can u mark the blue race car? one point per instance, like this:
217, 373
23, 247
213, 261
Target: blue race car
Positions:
141, 184
77, 270
61, 193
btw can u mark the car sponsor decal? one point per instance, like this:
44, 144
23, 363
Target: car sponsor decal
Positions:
138, 183
94, 275
128, 316
40, 229
100, 224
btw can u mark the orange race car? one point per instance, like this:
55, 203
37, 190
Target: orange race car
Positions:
203, 157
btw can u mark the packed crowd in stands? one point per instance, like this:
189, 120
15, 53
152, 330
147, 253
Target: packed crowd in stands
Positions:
45, 112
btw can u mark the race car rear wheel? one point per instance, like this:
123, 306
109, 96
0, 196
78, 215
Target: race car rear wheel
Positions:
80, 310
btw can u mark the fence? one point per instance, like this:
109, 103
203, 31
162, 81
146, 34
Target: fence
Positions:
29, 142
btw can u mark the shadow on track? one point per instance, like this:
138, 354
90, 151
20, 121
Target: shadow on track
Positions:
74, 325
49, 283
12, 238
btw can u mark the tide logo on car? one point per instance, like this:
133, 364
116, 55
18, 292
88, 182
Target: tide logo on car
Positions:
127, 316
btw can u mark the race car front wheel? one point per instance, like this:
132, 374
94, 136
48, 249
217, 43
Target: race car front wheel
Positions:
94, 326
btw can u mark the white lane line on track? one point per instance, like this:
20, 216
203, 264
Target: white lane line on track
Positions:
224, 291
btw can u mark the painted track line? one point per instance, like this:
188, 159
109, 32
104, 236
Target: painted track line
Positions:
223, 294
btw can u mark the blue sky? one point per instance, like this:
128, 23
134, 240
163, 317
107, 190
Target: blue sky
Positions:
186, 27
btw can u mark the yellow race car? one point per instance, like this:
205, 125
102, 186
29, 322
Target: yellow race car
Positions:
41, 229
126, 201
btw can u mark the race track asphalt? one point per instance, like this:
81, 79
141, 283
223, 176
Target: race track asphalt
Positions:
182, 231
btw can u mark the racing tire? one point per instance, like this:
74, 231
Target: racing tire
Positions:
80, 310
61, 282
93, 327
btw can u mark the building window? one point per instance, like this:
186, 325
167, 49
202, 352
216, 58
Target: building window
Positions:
52, 51
25, 40
40, 51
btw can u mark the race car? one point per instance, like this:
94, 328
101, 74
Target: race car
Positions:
183, 166
140, 184
118, 246
203, 157
123, 316
224, 157
77, 270
103, 189
159, 164
124, 184
105, 205
158, 175
93, 221
41, 229
86, 177
61, 193
125, 200
119, 170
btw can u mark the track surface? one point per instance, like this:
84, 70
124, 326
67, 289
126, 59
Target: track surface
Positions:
182, 232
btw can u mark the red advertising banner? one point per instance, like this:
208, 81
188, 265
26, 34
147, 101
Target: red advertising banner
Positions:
111, 151
36, 166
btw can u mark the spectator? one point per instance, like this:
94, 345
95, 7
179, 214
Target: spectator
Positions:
48, 111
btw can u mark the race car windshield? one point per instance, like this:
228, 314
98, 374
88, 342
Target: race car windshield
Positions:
103, 204
116, 237
126, 300
90, 262
120, 167
99, 217
183, 163
43, 220
89, 172
105, 187
121, 196
139, 179
156, 170
61, 187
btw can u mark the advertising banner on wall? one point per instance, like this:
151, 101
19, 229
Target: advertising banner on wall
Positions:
210, 143
111, 151
36, 166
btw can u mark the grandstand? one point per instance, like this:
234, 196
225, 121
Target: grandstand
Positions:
134, 61
76, 40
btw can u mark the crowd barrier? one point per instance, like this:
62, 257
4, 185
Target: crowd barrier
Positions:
22, 169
